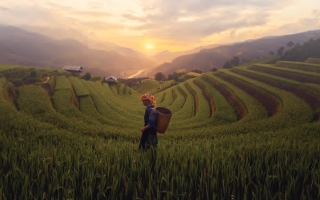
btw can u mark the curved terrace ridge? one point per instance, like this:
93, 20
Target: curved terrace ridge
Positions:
235, 103
267, 100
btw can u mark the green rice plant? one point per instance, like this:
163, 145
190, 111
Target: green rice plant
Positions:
161, 96
126, 90
52, 150
200, 117
313, 60
78, 87
247, 166
4, 67
34, 101
270, 102
62, 102
309, 93
105, 91
62, 83
303, 66
168, 98
184, 104
88, 108
293, 111
9, 93
134, 107
115, 89
49, 85
15, 123
178, 99
255, 111
206, 96
222, 112
289, 73
149, 85
123, 90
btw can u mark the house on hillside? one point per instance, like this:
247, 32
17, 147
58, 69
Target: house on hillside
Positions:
111, 79
76, 70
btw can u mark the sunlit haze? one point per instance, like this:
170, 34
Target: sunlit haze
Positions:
151, 26
149, 46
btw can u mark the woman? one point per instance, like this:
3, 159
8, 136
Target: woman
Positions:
149, 137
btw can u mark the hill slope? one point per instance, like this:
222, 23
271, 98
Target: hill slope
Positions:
26, 48
206, 59
252, 131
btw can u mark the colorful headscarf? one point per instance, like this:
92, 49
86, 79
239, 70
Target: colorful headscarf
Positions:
148, 96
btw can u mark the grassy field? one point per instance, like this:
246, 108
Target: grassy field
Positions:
251, 132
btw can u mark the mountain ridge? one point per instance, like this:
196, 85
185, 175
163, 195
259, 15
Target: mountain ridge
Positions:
206, 59
27, 48
22, 47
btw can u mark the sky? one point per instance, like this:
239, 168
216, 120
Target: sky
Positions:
151, 26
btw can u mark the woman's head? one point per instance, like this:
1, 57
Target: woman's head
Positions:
148, 99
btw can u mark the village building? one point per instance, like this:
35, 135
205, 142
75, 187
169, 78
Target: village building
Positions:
111, 79
75, 70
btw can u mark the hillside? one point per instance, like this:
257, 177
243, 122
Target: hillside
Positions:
26, 48
207, 59
168, 56
246, 132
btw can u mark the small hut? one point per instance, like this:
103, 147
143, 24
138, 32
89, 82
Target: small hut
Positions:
76, 70
111, 79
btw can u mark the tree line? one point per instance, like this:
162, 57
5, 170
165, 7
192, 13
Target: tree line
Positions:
309, 49
294, 52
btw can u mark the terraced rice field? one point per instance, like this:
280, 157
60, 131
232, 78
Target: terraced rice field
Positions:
251, 132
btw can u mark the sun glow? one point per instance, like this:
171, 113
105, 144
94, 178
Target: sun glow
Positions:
149, 46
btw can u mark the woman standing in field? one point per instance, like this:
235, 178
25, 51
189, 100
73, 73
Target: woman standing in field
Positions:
149, 137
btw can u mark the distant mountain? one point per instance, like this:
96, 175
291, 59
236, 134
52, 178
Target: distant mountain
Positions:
168, 56
84, 39
27, 48
206, 59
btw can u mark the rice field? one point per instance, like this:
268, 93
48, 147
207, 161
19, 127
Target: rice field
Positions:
251, 132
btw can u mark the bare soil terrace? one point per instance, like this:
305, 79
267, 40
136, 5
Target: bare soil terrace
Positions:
292, 76
236, 104
267, 100
309, 96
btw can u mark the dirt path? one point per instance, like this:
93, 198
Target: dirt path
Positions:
46, 80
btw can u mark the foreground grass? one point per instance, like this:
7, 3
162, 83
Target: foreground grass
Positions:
265, 165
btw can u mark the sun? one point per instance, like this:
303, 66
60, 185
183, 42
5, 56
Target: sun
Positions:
149, 46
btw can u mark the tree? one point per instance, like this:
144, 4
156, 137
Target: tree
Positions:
290, 44
235, 61
159, 76
197, 71
214, 69
33, 73
271, 53
280, 51
87, 76
227, 65
175, 76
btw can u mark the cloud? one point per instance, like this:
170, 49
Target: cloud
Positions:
2, 8
129, 16
95, 4
171, 22
21, 15
196, 26
301, 24
193, 19
316, 13
71, 11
